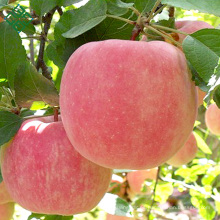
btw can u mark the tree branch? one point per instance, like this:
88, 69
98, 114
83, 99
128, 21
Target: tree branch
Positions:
171, 12
40, 62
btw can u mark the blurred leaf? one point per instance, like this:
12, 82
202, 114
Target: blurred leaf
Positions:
197, 123
121, 171
117, 7
163, 191
9, 125
203, 51
207, 6
1, 178
185, 172
31, 86
29, 29
210, 175
86, 17
38, 105
144, 5
67, 2
217, 203
49, 217
42, 6
205, 209
202, 144
12, 52
114, 205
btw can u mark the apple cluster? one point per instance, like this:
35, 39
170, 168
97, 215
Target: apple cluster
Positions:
124, 105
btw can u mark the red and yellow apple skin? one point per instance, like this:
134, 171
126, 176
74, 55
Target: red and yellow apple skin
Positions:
6, 211
212, 119
186, 154
127, 104
4, 195
116, 217
44, 174
136, 180
190, 27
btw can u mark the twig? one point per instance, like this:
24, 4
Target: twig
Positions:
60, 11
135, 11
169, 29
171, 12
31, 46
154, 192
190, 187
122, 19
40, 62
153, 10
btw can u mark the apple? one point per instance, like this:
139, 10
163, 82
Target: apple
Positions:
117, 185
6, 211
128, 104
186, 154
136, 180
116, 217
4, 195
45, 174
212, 119
190, 27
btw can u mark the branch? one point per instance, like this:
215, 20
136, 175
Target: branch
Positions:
154, 192
40, 62
171, 12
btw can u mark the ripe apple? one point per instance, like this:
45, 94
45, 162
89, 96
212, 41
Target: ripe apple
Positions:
212, 119
116, 217
186, 154
136, 180
45, 174
190, 27
117, 185
4, 195
127, 104
6, 211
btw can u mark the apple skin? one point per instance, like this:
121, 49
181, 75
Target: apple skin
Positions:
45, 174
190, 27
212, 119
4, 195
116, 217
186, 154
127, 104
6, 211
136, 180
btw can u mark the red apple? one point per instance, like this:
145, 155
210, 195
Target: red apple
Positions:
128, 104
4, 195
6, 211
44, 174
116, 217
212, 119
190, 27
186, 154
136, 180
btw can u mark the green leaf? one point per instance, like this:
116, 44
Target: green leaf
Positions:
202, 50
31, 86
144, 5
210, 175
12, 52
114, 205
42, 6
49, 217
29, 29
86, 17
205, 209
68, 2
117, 7
163, 191
61, 49
9, 125
207, 6
202, 144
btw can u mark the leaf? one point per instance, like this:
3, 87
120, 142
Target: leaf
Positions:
207, 6
31, 86
145, 5
202, 50
1, 178
68, 2
42, 6
61, 49
29, 29
205, 209
114, 205
117, 7
12, 52
163, 191
86, 17
49, 217
9, 125
202, 144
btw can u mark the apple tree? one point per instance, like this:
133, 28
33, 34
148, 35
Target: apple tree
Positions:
40, 41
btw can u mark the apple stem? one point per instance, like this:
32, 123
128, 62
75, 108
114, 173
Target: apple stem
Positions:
169, 29
135, 32
171, 12
154, 192
122, 19
164, 35
56, 113
135, 11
